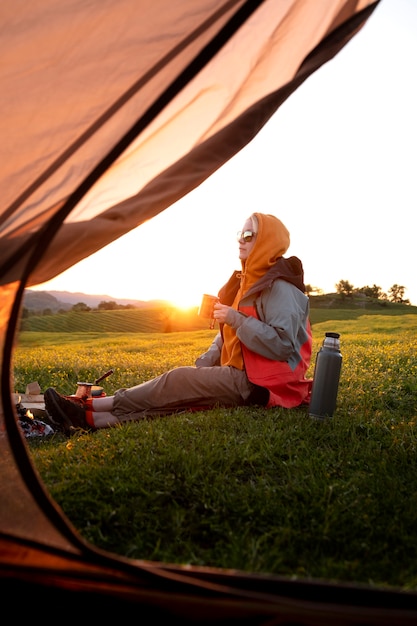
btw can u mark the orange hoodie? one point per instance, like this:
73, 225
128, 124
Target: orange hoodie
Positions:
272, 241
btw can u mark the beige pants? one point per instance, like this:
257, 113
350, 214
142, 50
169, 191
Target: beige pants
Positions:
182, 388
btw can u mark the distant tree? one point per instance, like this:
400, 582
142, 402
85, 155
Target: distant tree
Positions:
344, 288
372, 292
396, 294
80, 306
47, 312
107, 306
309, 289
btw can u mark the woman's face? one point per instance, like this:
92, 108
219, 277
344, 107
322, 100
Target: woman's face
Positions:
246, 239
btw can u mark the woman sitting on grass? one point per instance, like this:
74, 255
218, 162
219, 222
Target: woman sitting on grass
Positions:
260, 355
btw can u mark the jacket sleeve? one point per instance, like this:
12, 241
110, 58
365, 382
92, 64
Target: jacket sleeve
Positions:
281, 329
212, 356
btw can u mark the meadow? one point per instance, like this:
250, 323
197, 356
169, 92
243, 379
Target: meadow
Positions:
251, 489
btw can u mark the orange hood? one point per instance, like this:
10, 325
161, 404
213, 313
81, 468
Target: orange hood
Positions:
272, 242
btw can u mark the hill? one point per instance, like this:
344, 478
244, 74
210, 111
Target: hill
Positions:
39, 301
51, 311
355, 301
161, 319
165, 319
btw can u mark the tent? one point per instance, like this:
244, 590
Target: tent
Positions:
111, 112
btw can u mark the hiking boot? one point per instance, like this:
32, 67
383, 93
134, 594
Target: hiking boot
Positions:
68, 414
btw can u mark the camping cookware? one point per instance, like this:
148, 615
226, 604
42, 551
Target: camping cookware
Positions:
85, 390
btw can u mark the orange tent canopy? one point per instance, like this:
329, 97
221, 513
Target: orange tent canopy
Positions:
111, 112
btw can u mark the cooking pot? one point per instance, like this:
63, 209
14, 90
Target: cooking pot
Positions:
88, 390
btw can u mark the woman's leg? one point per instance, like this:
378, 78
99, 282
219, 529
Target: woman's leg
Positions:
98, 412
101, 404
180, 388
101, 419
183, 387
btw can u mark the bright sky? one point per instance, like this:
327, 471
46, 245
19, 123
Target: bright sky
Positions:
337, 164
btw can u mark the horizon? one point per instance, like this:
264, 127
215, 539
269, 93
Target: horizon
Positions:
111, 298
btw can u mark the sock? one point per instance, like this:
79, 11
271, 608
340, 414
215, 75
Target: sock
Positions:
89, 418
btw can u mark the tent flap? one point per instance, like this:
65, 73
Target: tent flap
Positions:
111, 112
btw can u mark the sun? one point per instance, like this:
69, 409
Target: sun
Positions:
185, 302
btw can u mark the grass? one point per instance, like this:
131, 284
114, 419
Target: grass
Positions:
257, 490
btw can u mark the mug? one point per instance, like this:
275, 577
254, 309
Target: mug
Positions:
206, 309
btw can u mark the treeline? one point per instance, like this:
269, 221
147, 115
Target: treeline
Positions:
345, 289
79, 307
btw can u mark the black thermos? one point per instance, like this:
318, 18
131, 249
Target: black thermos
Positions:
326, 378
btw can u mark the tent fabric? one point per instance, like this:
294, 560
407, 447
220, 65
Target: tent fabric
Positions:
111, 112
107, 130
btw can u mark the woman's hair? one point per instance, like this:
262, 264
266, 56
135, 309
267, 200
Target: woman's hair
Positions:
255, 225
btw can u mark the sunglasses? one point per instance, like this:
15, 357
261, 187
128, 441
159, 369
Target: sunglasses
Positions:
245, 235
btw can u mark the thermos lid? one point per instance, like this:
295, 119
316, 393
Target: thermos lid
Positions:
334, 335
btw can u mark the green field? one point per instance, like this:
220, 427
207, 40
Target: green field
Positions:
176, 320
252, 489
124, 321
